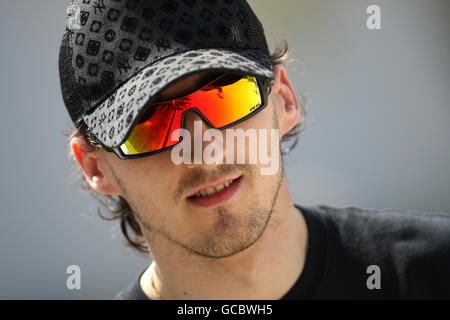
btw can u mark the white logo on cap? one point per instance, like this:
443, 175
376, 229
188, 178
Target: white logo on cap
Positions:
236, 34
73, 17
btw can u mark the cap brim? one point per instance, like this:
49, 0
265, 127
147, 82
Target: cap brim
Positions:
113, 120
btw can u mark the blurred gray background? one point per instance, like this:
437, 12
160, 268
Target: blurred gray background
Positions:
378, 137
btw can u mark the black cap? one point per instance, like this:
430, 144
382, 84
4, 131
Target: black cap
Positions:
116, 55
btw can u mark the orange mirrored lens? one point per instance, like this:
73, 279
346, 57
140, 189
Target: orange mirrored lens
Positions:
222, 105
154, 133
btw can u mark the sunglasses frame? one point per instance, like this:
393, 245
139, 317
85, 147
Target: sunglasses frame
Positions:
264, 85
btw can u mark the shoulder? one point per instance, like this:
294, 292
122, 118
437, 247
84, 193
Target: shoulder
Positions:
392, 223
133, 291
411, 247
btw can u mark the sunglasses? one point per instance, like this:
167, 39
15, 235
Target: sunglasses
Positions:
223, 103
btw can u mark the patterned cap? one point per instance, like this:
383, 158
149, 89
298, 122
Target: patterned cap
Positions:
116, 55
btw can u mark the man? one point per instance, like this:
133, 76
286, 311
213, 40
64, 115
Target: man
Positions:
142, 81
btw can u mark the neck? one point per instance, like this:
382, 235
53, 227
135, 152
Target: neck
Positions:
266, 270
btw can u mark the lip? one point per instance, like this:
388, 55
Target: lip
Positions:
219, 197
214, 184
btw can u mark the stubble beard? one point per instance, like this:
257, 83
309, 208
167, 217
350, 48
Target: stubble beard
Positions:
232, 232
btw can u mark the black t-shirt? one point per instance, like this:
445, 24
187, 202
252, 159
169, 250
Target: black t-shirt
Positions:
356, 253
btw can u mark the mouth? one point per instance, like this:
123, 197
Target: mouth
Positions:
215, 194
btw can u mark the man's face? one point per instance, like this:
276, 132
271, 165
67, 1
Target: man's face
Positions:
162, 194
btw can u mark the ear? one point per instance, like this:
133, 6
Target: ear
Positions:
285, 100
93, 166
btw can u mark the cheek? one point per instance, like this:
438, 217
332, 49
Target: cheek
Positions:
149, 179
262, 120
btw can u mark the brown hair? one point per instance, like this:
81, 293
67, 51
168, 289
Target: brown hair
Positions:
117, 207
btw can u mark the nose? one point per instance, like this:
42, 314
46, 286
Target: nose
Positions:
195, 125
190, 118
